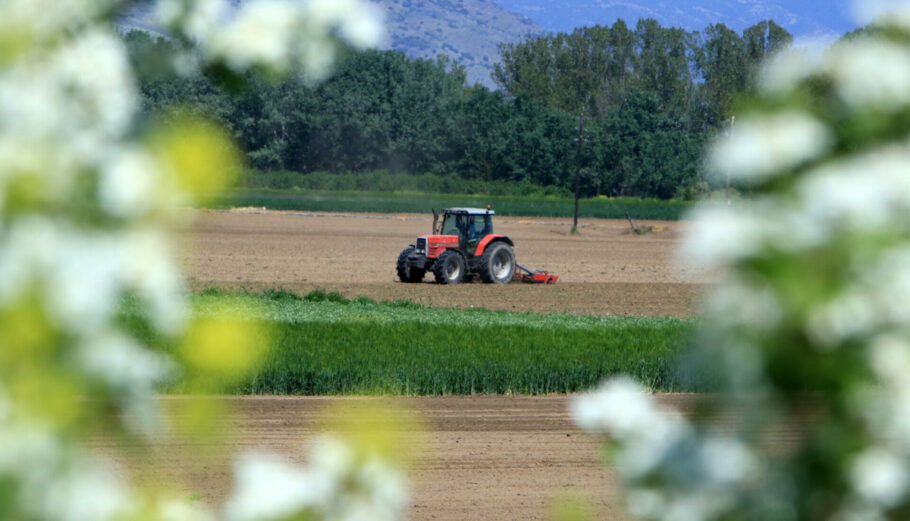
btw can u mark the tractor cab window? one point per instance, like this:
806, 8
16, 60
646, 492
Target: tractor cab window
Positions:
480, 226
453, 224
470, 226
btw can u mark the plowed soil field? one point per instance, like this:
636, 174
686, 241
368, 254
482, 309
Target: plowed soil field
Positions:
603, 270
483, 458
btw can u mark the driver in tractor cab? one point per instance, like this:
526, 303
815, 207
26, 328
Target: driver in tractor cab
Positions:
475, 229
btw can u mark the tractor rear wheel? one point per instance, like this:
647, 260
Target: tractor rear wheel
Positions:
449, 268
497, 264
407, 273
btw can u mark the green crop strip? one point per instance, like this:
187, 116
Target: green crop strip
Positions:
324, 344
327, 201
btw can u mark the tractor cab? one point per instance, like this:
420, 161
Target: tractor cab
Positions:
471, 225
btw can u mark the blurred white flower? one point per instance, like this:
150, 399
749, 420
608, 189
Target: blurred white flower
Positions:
123, 364
864, 192
45, 20
386, 490
871, 74
129, 182
268, 488
697, 505
151, 272
84, 282
83, 494
718, 237
358, 22
94, 74
336, 485
280, 35
619, 407
769, 145
260, 34
198, 19
741, 302
880, 476
331, 458
728, 461
31, 247
783, 71
28, 448
182, 510
889, 357
847, 316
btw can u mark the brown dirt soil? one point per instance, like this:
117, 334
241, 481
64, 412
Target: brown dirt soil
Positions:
482, 458
603, 270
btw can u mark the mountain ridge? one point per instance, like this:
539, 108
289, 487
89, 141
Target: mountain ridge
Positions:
468, 31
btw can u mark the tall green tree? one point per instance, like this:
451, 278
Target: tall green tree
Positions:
643, 150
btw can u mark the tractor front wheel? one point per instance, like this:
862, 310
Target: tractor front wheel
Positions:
407, 273
497, 264
449, 268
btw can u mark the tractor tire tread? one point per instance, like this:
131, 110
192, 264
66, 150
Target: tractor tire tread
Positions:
406, 274
486, 269
439, 268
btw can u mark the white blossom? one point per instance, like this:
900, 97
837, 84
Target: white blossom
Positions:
699, 505
28, 448
182, 510
358, 22
785, 70
621, 409
128, 183
277, 34
741, 302
152, 273
123, 364
618, 407
270, 488
68, 102
199, 19
727, 460
871, 73
94, 71
86, 494
338, 484
880, 476
769, 145
387, 491
85, 281
864, 192
261, 33
717, 237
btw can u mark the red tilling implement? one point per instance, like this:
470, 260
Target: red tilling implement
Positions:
534, 277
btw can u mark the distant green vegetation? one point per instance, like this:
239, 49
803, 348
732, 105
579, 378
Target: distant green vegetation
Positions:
643, 101
391, 182
328, 345
541, 206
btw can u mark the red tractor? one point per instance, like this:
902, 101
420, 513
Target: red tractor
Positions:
462, 247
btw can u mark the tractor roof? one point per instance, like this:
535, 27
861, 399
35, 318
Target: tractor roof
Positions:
470, 211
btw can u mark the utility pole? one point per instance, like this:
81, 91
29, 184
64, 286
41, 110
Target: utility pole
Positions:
579, 140
732, 125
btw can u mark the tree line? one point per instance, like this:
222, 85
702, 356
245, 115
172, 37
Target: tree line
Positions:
642, 101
